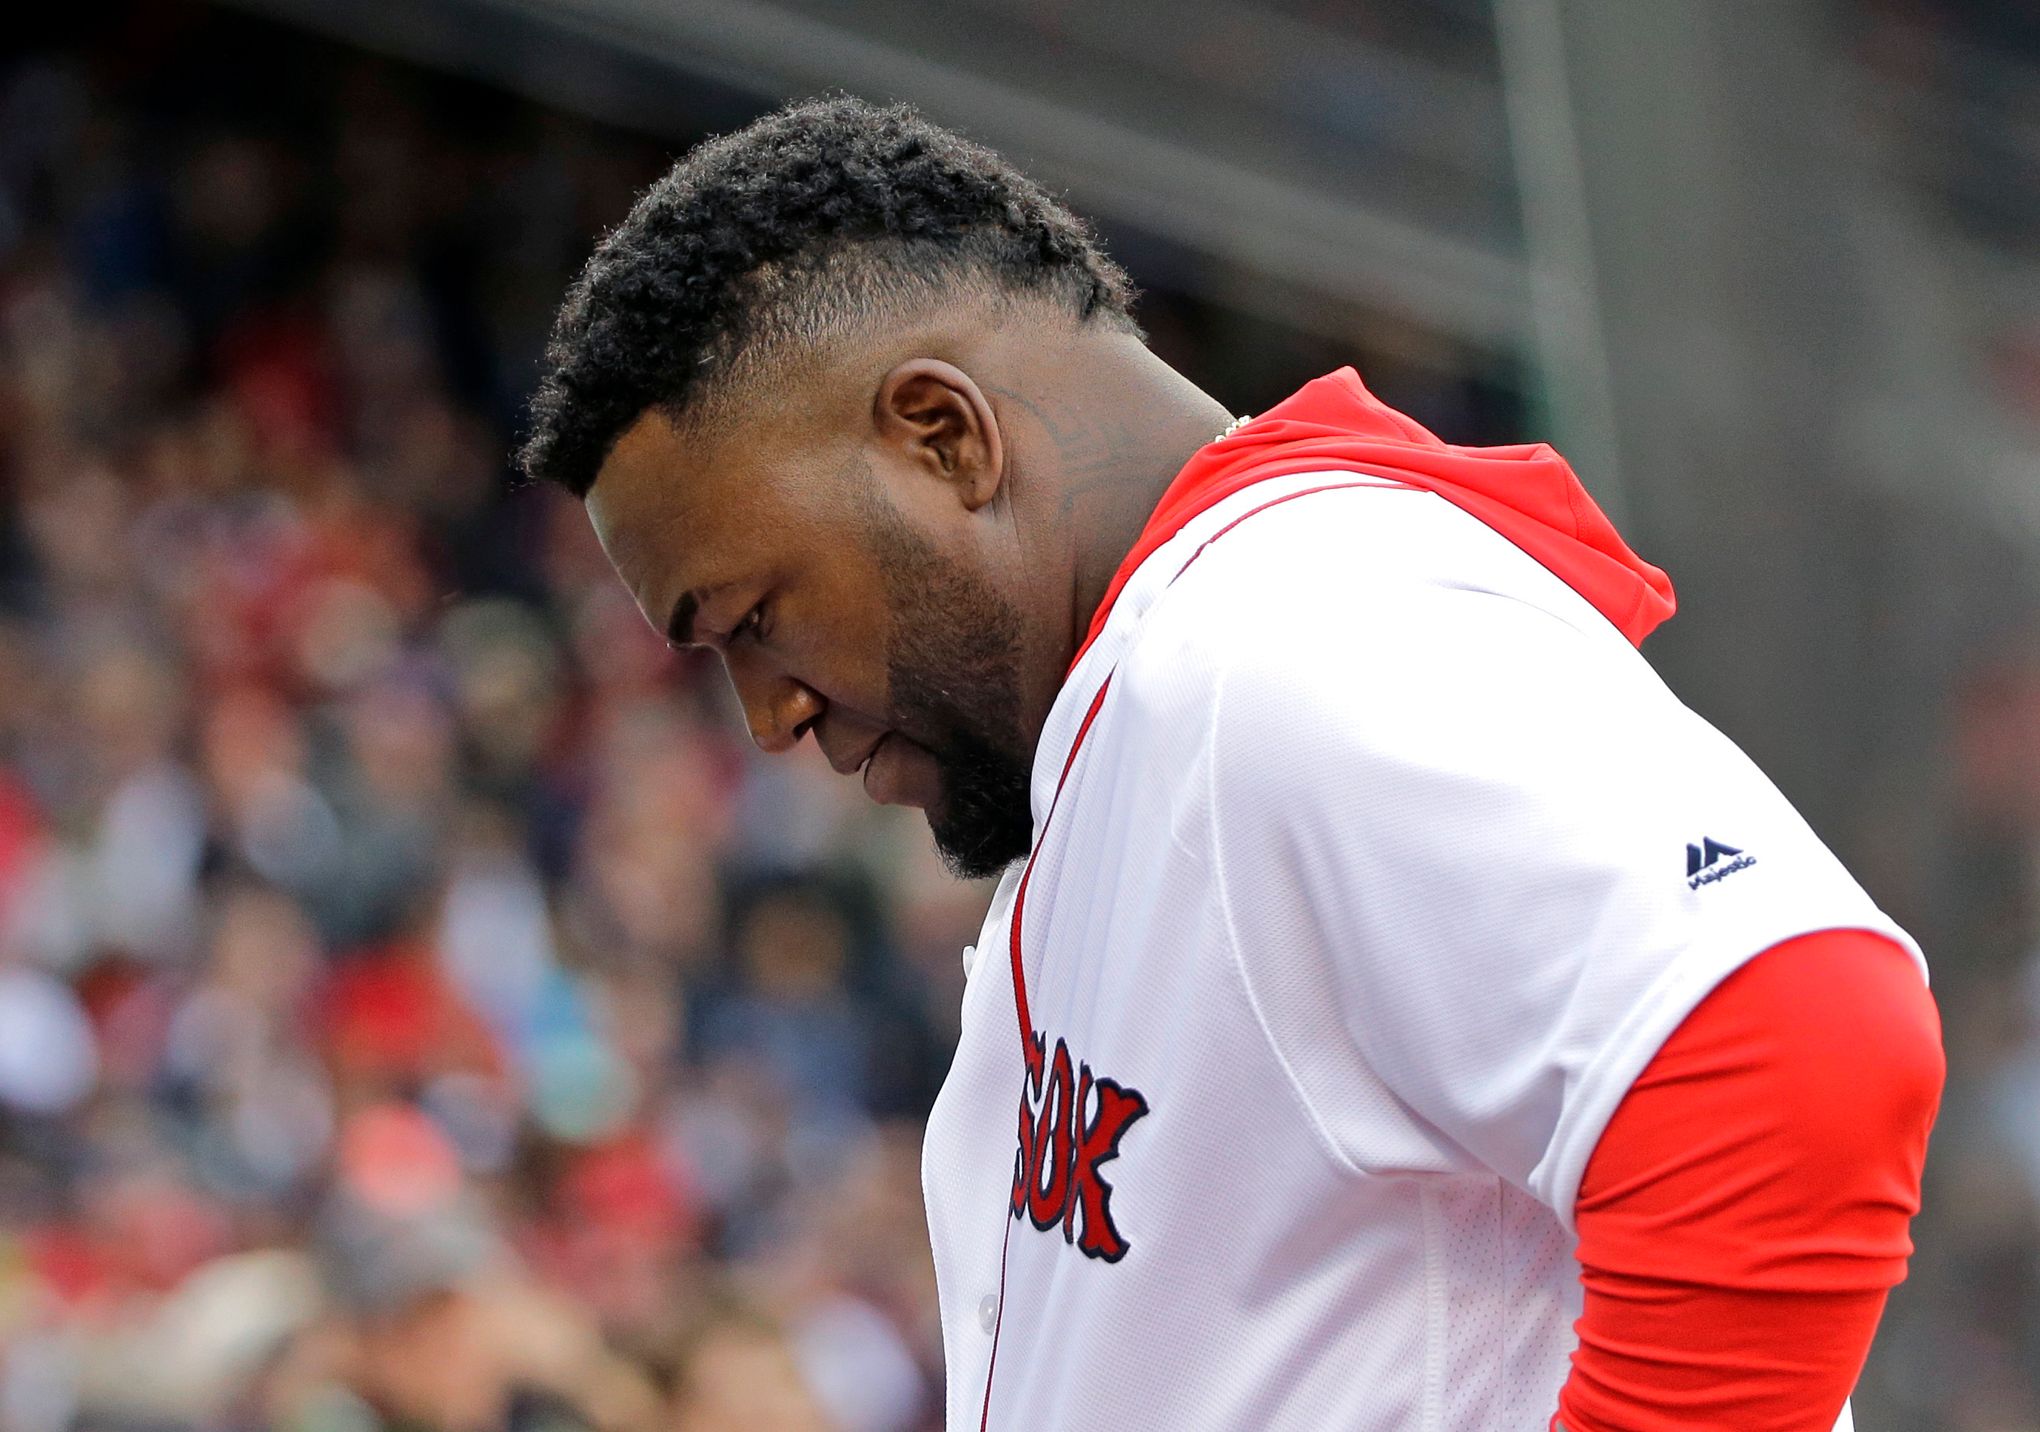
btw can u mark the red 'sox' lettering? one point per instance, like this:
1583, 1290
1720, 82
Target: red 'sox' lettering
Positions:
1070, 1123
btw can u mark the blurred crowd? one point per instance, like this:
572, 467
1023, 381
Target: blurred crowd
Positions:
419, 1007
1954, 107
1963, 106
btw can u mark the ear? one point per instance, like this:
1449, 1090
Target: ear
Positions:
938, 417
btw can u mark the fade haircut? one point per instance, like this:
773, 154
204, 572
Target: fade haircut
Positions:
761, 245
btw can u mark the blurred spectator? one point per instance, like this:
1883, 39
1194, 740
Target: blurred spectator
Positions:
740, 1373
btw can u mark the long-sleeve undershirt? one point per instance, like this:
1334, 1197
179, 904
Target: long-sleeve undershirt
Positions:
1745, 1213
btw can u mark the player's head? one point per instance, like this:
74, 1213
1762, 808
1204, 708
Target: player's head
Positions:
799, 387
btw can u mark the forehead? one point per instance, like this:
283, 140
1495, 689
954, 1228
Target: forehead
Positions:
672, 491
644, 496
679, 506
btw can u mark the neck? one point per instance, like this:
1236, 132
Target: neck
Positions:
1118, 424
1139, 429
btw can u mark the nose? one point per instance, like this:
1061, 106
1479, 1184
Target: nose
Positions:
777, 708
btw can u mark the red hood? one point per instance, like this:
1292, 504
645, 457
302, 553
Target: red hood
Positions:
1526, 492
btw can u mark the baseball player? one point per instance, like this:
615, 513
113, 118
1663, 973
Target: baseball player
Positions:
1397, 1011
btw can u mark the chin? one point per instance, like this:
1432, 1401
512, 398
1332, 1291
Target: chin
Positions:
973, 857
980, 817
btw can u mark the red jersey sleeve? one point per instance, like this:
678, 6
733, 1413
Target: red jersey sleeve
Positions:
1745, 1213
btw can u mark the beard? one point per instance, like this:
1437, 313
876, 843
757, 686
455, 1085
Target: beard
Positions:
953, 685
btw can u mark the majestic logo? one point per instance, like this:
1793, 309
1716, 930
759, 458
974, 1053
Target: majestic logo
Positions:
1071, 1122
1704, 863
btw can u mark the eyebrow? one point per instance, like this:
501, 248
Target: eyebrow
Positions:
680, 626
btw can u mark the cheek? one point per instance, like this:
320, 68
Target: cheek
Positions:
842, 649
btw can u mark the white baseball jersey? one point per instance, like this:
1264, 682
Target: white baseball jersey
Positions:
1372, 865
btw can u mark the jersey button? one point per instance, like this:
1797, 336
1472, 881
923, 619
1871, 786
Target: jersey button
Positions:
988, 1312
969, 960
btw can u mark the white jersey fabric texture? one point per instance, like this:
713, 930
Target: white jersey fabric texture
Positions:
1383, 868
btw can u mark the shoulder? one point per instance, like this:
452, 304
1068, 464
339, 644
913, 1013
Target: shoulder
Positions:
1356, 618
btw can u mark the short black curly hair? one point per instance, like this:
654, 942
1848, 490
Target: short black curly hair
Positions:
827, 213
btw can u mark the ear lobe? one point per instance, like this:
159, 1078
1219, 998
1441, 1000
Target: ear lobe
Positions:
936, 413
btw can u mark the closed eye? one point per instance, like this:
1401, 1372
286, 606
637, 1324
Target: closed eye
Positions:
753, 624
